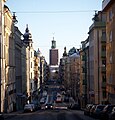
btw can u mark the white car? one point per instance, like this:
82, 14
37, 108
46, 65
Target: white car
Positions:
42, 100
59, 98
29, 108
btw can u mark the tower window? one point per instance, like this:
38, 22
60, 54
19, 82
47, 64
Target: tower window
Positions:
31, 54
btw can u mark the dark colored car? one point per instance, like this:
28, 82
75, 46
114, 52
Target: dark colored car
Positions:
1, 117
76, 106
87, 109
97, 111
49, 106
112, 114
92, 110
106, 112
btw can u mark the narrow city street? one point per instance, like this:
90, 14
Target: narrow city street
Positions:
49, 115
57, 60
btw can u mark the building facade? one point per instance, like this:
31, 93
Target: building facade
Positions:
85, 93
70, 72
108, 6
20, 68
2, 57
10, 84
29, 63
2, 60
97, 59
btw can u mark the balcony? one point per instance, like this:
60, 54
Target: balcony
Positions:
105, 3
103, 39
84, 58
103, 54
84, 82
84, 70
103, 69
103, 85
97, 25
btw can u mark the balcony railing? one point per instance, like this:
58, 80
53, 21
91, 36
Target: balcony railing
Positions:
103, 85
103, 54
103, 39
84, 58
103, 69
84, 82
97, 24
84, 70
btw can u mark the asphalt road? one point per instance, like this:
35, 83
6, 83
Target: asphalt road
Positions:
49, 115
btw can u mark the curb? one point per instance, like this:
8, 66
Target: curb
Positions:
12, 114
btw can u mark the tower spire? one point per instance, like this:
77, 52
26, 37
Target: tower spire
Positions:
53, 44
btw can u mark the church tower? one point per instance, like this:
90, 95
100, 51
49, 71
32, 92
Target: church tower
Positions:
29, 61
53, 53
27, 37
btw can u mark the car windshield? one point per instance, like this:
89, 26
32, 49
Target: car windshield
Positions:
110, 108
100, 108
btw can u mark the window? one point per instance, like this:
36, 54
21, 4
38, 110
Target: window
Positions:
104, 94
110, 15
31, 75
103, 32
31, 64
110, 59
31, 54
31, 85
110, 36
103, 78
110, 79
103, 35
103, 48
103, 63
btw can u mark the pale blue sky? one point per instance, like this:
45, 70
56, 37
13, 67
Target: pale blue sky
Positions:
70, 28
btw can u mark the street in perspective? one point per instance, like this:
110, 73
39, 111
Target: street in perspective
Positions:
76, 85
54, 105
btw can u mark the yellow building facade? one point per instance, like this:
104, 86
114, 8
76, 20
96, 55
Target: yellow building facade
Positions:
108, 6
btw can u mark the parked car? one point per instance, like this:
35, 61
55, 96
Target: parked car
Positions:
87, 109
49, 106
106, 112
112, 114
92, 110
75, 106
98, 110
29, 108
42, 100
36, 105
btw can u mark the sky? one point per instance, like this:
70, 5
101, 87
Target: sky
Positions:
68, 21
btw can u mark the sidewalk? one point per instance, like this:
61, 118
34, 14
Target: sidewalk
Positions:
84, 117
12, 114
